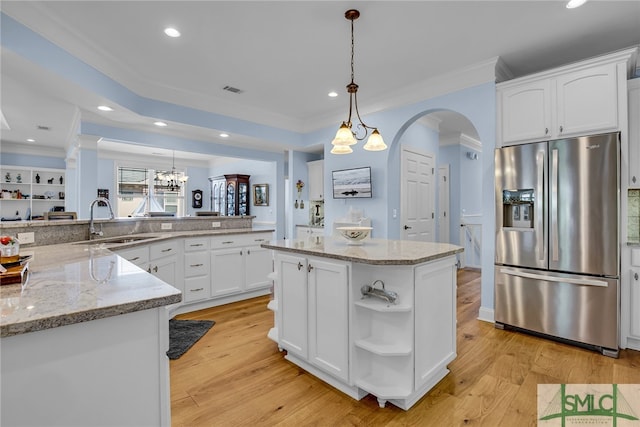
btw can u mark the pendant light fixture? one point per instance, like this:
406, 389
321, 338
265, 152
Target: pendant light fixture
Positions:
346, 136
174, 179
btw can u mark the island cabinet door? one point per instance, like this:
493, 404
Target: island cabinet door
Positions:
329, 317
292, 296
435, 304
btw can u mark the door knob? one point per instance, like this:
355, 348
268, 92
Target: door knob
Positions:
406, 227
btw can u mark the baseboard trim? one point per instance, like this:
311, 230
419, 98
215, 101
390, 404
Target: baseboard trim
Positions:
486, 314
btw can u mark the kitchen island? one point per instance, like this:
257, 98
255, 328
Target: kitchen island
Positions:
84, 341
395, 342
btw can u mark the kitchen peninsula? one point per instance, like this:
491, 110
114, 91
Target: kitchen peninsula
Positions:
396, 344
84, 340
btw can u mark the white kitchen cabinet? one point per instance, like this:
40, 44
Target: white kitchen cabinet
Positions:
39, 189
292, 293
305, 231
634, 132
138, 255
163, 262
227, 267
197, 280
238, 263
315, 293
328, 304
525, 111
258, 265
578, 99
315, 171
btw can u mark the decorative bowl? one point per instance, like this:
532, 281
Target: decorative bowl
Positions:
354, 235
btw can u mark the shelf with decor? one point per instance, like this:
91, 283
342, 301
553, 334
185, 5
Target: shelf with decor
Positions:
27, 192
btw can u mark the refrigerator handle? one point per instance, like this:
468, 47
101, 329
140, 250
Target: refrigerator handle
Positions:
540, 160
587, 282
554, 205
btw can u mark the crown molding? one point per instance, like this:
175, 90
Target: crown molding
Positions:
33, 150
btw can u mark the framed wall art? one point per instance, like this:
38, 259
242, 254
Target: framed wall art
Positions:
260, 194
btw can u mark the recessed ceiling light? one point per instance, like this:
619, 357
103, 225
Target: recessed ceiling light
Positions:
333, 94
104, 108
575, 3
161, 124
31, 140
224, 135
172, 32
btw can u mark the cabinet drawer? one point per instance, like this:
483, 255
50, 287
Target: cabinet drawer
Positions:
196, 288
196, 244
138, 256
196, 264
163, 249
237, 240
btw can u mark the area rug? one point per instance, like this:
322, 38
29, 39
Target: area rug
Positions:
185, 333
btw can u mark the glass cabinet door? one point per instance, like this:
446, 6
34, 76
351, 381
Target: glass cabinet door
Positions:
231, 198
243, 195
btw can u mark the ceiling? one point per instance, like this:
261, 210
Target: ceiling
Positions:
284, 56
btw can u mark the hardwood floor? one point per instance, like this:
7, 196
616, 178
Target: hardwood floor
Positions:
235, 376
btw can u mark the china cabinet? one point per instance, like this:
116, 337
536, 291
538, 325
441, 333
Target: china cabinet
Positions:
237, 195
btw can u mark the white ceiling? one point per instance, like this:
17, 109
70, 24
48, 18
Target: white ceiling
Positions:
285, 56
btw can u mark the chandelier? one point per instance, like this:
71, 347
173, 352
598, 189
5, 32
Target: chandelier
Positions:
346, 136
171, 181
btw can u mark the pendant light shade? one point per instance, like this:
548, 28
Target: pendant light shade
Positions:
346, 136
341, 149
375, 142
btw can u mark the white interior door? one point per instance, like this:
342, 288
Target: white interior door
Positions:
443, 204
417, 196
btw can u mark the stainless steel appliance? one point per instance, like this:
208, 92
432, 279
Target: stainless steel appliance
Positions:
557, 255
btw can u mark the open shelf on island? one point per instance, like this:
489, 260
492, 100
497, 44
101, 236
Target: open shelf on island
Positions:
382, 306
381, 348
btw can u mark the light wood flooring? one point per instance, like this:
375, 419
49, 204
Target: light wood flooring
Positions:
235, 376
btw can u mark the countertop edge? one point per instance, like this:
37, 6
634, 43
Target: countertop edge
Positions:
86, 316
362, 260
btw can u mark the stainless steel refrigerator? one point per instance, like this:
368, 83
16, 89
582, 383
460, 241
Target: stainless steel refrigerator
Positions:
557, 257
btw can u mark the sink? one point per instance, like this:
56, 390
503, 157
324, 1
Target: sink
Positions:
116, 240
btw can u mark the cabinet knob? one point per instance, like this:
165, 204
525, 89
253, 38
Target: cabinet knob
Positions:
299, 265
635, 276
546, 131
155, 269
633, 179
309, 268
561, 129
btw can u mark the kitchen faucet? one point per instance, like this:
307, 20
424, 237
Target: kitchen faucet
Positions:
92, 230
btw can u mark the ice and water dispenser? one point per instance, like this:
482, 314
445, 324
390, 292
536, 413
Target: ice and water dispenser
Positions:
518, 208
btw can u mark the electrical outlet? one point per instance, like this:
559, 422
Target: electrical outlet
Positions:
215, 224
25, 238
166, 226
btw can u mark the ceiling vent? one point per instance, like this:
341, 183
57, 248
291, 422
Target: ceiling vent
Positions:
232, 89
41, 127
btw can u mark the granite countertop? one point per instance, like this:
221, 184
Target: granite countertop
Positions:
78, 282
372, 251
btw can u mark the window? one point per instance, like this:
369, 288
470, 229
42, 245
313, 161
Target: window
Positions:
142, 190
